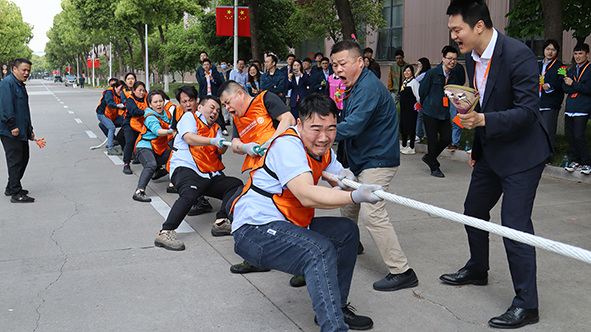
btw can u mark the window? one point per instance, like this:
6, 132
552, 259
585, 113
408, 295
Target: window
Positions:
390, 38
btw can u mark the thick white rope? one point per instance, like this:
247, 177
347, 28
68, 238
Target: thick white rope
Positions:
100, 145
533, 240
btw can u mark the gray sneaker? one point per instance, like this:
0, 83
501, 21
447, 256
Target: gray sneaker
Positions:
114, 152
221, 227
167, 240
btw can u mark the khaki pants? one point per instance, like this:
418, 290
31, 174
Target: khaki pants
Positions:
375, 218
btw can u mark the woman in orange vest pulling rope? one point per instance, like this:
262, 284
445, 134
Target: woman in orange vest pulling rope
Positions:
133, 122
107, 113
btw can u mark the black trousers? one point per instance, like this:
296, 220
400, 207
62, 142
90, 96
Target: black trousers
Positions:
130, 138
190, 186
438, 138
519, 192
575, 131
17, 158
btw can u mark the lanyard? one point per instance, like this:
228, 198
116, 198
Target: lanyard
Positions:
485, 75
542, 76
576, 79
548, 68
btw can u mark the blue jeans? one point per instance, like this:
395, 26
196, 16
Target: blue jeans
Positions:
325, 255
456, 133
110, 126
420, 130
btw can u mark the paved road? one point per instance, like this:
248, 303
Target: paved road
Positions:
81, 258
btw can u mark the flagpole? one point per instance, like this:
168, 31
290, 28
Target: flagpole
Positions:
147, 74
235, 33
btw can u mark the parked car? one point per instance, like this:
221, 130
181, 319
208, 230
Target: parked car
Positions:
70, 80
57, 78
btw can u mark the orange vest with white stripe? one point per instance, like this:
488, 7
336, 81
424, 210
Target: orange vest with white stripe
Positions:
256, 125
137, 122
285, 201
160, 143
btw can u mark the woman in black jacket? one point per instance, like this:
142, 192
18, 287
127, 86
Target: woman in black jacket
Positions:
550, 91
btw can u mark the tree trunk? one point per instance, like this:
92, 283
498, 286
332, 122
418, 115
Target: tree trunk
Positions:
255, 46
163, 41
120, 58
139, 27
346, 18
130, 50
552, 12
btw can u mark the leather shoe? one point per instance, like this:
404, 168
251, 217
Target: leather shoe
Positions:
437, 173
393, 282
464, 277
515, 318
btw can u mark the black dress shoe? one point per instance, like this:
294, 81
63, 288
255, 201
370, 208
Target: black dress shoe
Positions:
355, 322
464, 277
393, 282
437, 173
7, 192
515, 318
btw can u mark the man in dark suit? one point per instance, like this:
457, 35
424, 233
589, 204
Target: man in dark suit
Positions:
510, 147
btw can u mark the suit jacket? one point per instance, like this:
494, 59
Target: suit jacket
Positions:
514, 138
552, 99
299, 90
215, 83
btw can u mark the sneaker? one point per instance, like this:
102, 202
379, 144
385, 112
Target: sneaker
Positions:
114, 152
221, 227
437, 173
159, 173
202, 206
246, 267
167, 240
297, 281
573, 167
393, 282
356, 322
586, 170
453, 147
417, 139
7, 192
408, 150
21, 197
225, 132
127, 169
172, 190
141, 196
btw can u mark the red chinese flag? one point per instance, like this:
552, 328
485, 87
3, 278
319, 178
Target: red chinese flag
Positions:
243, 22
224, 21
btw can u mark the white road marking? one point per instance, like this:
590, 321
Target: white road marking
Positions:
90, 134
71, 112
163, 208
78, 120
66, 106
116, 160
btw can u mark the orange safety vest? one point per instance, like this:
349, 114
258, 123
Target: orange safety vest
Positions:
137, 122
207, 158
286, 202
256, 125
160, 143
111, 113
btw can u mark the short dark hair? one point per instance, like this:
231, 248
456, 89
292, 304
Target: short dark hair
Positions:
273, 58
156, 92
552, 42
325, 59
318, 53
206, 60
318, 103
472, 11
412, 69
448, 49
346, 45
18, 62
290, 56
307, 60
368, 50
399, 52
581, 47
240, 60
112, 79
117, 83
223, 60
204, 52
210, 97
229, 86
132, 74
189, 90
137, 84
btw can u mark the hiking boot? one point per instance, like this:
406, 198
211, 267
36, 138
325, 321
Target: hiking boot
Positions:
141, 196
159, 173
246, 267
127, 169
202, 206
221, 227
21, 197
393, 282
167, 240
114, 152
297, 281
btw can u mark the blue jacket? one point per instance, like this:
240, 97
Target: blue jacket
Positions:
132, 109
14, 109
299, 91
369, 129
315, 78
431, 91
275, 83
552, 99
108, 99
582, 102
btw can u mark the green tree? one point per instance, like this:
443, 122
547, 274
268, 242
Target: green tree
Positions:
577, 15
181, 48
14, 33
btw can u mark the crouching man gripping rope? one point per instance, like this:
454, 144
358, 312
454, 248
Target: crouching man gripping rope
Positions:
274, 225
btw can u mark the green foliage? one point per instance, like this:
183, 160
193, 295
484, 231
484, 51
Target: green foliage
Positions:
182, 47
577, 15
14, 33
525, 19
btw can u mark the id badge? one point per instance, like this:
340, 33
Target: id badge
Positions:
445, 102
